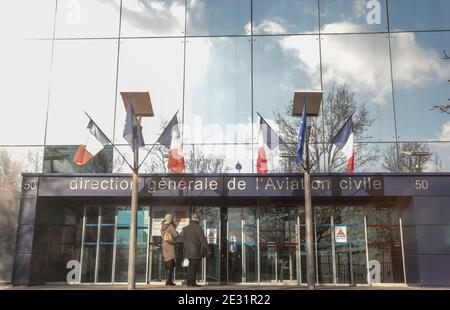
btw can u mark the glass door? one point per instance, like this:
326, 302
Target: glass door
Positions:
242, 245
210, 222
278, 243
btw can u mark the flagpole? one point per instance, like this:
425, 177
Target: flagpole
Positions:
123, 157
288, 148
149, 152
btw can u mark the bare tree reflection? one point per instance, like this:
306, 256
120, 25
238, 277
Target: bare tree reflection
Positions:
338, 105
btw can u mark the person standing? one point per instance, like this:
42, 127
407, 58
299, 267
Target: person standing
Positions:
195, 248
169, 234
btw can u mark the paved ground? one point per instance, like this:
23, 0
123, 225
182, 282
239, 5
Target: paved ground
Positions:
221, 287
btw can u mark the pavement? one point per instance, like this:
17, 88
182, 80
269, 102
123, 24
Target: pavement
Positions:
236, 287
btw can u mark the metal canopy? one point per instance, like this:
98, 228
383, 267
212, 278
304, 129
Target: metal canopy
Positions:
313, 100
142, 104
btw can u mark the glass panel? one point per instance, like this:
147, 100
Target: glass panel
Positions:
351, 262
25, 79
419, 14
106, 244
122, 244
59, 159
357, 79
156, 66
217, 17
385, 253
13, 162
249, 245
181, 216
285, 17
323, 244
294, 64
80, 18
278, 243
210, 222
90, 244
84, 79
234, 245
27, 19
218, 158
152, 18
64, 241
420, 82
353, 16
218, 90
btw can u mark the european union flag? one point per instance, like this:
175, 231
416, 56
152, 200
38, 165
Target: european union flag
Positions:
301, 136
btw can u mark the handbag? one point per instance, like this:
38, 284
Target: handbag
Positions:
168, 237
185, 263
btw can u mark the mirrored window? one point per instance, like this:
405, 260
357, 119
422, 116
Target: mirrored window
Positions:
294, 65
59, 159
27, 18
142, 18
87, 18
357, 79
419, 15
154, 66
421, 82
218, 90
285, 17
83, 80
218, 17
25, 82
353, 16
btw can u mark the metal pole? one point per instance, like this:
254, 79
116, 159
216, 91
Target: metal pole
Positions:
133, 224
309, 219
403, 249
367, 252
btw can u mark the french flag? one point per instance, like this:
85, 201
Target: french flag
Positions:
171, 139
97, 140
266, 143
344, 141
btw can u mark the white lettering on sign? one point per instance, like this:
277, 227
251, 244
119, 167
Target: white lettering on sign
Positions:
74, 275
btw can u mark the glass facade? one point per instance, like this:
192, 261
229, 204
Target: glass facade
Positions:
255, 244
220, 63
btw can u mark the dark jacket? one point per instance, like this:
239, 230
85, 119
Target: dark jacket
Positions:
168, 248
194, 241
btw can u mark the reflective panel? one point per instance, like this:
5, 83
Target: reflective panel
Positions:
217, 17
323, 243
27, 19
84, 80
278, 243
25, 82
59, 239
284, 17
385, 252
59, 159
142, 18
218, 90
294, 65
357, 79
13, 162
353, 16
419, 15
80, 18
420, 83
154, 66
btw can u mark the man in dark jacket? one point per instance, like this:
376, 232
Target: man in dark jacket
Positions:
195, 248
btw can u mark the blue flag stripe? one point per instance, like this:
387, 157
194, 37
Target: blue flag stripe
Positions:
301, 136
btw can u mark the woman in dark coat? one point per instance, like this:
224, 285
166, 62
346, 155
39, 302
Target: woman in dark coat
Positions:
168, 247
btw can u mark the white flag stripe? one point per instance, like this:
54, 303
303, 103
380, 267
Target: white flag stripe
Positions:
348, 147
